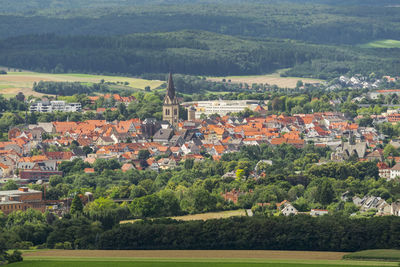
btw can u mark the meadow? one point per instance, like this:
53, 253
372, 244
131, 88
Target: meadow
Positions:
375, 254
271, 79
388, 43
15, 82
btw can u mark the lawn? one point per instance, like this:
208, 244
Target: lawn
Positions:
375, 254
382, 44
15, 82
271, 79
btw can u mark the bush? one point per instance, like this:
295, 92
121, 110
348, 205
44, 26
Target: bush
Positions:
59, 246
42, 246
16, 256
23, 245
67, 245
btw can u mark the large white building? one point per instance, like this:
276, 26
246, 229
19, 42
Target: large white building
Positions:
52, 106
221, 107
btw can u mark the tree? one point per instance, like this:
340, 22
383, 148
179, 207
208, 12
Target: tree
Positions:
299, 84
20, 97
189, 164
10, 185
390, 150
76, 206
325, 193
143, 154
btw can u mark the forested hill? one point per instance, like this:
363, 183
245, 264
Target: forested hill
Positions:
319, 21
190, 52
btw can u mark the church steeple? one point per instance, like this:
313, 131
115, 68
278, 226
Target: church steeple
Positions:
171, 105
170, 87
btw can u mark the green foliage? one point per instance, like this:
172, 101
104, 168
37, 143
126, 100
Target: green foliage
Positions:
68, 88
15, 256
76, 205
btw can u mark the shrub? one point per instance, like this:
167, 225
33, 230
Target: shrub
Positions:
67, 245
59, 246
23, 245
16, 256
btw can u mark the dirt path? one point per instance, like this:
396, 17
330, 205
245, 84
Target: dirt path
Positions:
222, 254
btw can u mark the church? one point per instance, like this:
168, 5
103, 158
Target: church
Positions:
171, 105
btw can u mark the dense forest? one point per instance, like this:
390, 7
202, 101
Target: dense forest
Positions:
191, 52
314, 38
317, 21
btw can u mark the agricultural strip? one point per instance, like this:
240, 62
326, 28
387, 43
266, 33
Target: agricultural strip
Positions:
271, 79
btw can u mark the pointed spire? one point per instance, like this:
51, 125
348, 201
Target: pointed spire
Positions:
170, 87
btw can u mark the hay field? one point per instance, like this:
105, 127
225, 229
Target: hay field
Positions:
203, 216
14, 82
271, 79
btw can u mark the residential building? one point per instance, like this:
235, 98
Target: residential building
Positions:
52, 106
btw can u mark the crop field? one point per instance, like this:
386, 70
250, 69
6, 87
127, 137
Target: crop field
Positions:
271, 79
204, 216
14, 82
382, 44
375, 254
190, 258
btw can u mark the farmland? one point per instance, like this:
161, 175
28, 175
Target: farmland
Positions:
194, 258
271, 79
15, 82
204, 216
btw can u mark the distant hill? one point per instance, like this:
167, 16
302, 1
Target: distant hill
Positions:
191, 52
314, 21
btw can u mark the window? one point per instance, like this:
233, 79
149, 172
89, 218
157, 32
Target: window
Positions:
167, 112
175, 111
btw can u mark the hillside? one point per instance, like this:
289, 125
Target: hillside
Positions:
191, 52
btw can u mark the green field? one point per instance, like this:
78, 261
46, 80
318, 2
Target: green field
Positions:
15, 82
376, 254
382, 44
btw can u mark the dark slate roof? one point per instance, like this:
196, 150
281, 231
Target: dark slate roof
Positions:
170, 87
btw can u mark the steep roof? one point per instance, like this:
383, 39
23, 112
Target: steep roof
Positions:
170, 87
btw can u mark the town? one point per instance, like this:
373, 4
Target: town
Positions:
34, 153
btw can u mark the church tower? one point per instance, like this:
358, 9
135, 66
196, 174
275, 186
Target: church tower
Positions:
171, 105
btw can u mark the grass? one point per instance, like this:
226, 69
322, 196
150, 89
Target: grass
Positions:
388, 43
271, 79
376, 254
15, 82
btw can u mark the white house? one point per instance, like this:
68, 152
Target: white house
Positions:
288, 209
395, 171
